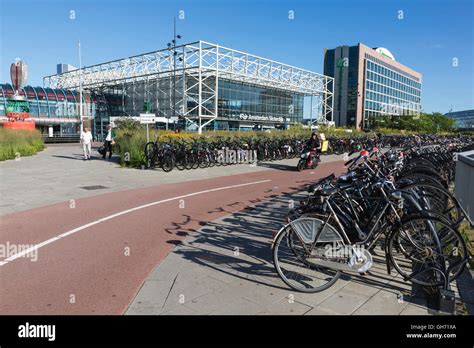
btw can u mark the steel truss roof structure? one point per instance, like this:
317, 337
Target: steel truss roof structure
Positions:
201, 64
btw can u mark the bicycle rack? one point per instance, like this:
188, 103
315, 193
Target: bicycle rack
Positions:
446, 296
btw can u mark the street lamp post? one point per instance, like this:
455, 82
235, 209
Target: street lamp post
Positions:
80, 88
172, 46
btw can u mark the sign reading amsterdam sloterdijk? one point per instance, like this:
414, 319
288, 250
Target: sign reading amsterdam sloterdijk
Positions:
248, 117
147, 118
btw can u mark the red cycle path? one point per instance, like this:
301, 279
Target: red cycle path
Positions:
90, 266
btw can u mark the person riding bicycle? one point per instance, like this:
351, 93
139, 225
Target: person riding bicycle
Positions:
313, 144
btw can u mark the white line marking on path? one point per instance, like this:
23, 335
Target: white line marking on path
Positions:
83, 227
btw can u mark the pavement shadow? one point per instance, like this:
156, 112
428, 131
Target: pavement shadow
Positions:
277, 166
239, 246
93, 157
74, 157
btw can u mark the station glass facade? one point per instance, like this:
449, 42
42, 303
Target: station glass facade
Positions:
249, 103
464, 119
58, 108
240, 105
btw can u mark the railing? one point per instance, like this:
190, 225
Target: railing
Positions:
61, 138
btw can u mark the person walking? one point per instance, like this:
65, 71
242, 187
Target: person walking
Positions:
86, 141
109, 141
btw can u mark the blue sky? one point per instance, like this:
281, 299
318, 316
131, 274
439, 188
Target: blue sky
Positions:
431, 34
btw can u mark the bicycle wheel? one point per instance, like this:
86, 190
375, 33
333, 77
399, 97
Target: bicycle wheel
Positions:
168, 162
212, 159
190, 160
150, 155
426, 171
203, 161
295, 269
195, 163
436, 198
181, 162
411, 178
424, 248
219, 157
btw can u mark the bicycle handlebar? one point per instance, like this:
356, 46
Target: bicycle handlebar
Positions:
351, 160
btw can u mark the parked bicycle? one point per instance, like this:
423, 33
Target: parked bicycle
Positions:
391, 201
158, 154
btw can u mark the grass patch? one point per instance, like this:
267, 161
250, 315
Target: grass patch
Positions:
16, 143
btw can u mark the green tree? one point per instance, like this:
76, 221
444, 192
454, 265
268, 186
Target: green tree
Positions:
423, 123
127, 123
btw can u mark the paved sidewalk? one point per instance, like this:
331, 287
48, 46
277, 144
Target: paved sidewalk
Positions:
59, 174
226, 268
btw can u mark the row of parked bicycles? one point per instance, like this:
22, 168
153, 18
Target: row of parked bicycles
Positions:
394, 203
202, 152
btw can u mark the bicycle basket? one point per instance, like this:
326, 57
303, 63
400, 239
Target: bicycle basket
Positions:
308, 228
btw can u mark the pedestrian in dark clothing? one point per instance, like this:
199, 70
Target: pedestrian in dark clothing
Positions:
313, 145
313, 142
109, 142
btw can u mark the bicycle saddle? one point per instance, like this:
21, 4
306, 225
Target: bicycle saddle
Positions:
320, 182
327, 178
346, 179
327, 191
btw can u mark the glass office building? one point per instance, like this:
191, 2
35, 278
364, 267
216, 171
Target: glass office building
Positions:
389, 92
371, 86
464, 120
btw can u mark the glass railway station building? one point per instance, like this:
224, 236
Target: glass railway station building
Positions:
57, 108
196, 86
464, 120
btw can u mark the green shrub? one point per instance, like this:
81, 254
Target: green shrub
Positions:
131, 139
19, 143
127, 123
130, 145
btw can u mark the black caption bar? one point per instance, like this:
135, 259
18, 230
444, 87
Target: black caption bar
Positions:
333, 330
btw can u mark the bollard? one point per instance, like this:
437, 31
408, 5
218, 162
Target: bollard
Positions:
447, 301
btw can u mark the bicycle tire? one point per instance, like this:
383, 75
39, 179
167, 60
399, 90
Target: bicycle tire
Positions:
276, 247
434, 218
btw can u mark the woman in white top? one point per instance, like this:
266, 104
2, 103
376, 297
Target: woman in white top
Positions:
86, 141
